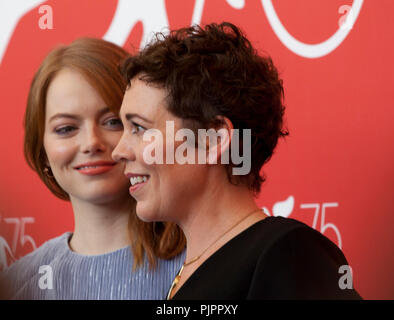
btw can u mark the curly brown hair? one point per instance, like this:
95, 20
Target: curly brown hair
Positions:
215, 71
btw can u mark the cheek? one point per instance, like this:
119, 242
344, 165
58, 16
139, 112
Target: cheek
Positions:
172, 180
59, 152
176, 190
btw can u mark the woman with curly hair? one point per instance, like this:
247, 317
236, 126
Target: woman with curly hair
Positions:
194, 80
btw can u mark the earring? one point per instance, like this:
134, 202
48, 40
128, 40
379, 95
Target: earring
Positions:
48, 172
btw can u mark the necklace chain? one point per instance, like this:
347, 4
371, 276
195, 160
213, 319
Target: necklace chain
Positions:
178, 276
221, 236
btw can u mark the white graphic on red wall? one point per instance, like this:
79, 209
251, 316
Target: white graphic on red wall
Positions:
154, 18
285, 208
311, 50
19, 240
10, 14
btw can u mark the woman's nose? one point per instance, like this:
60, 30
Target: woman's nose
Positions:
92, 141
123, 150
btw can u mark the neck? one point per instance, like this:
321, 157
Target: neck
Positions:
213, 214
100, 228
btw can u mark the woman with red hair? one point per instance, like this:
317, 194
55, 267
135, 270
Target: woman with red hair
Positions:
71, 128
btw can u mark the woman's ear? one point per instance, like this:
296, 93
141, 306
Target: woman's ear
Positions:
47, 162
219, 141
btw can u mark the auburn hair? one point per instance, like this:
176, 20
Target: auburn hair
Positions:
98, 61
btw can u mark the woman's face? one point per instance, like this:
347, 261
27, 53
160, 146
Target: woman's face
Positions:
169, 188
80, 135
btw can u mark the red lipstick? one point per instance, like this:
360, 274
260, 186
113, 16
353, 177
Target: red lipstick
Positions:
95, 168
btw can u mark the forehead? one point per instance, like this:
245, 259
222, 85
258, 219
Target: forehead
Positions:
69, 91
145, 100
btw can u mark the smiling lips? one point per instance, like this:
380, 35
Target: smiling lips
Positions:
95, 168
136, 181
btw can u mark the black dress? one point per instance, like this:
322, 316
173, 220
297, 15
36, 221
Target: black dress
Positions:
276, 258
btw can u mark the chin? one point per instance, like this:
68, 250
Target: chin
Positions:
103, 196
145, 213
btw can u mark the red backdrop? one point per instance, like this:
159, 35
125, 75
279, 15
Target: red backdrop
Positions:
335, 170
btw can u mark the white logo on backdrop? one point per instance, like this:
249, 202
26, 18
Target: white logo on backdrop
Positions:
311, 50
6, 255
20, 239
237, 4
10, 14
281, 208
153, 16
285, 208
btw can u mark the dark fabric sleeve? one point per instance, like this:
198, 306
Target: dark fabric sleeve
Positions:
302, 264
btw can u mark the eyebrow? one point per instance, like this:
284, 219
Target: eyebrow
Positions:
73, 116
130, 116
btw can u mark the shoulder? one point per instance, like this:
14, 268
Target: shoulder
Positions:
298, 262
279, 231
279, 226
273, 232
42, 255
268, 237
26, 269
284, 239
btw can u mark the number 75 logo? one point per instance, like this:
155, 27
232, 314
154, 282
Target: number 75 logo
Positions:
19, 238
323, 225
285, 208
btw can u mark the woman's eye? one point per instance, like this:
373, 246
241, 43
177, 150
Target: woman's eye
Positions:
136, 128
64, 130
114, 123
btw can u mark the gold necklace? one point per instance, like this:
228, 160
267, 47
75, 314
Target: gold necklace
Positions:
178, 276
